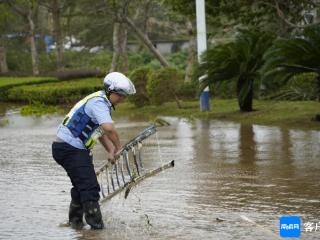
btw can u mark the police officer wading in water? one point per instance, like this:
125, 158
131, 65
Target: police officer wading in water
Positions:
89, 120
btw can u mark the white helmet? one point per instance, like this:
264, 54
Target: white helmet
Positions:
118, 83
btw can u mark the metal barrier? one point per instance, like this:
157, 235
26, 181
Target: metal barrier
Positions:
127, 171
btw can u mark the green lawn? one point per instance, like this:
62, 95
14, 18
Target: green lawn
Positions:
15, 81
49, 97
299, 114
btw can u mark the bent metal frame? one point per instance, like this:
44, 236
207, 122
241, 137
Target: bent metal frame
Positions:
127, 172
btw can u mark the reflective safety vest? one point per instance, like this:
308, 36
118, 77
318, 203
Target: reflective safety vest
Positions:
81, 125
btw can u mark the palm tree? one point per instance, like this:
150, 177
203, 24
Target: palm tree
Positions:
297, 55
239, 60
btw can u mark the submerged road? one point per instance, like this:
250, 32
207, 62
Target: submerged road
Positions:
230, 181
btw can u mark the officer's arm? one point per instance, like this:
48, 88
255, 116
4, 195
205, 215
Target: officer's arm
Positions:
108, 145
112, 134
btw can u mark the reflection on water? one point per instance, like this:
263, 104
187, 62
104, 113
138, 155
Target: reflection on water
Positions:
223, 170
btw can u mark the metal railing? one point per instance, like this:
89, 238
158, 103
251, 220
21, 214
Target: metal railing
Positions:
127, 172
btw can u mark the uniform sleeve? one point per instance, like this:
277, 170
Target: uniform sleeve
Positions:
99, 111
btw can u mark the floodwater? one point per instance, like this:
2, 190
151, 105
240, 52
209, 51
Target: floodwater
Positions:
230, 181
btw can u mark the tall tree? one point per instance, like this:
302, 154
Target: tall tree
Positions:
281, 16
120, 56
28, 9
142, 34
239, 60
187, 9
5, 18
55, 7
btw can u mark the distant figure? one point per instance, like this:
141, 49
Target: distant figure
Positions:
89, 120
48, 40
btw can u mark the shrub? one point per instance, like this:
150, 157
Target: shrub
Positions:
10, 82
139, 59
189, 90
87, 60
299, 87
19, 60
55, 93
15, 81
163, 85
76, 74
178, 59
140, 78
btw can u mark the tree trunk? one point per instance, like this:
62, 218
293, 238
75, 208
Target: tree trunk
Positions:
57, 33
3, 60
191, 52
116, 50
124, 66
177, 101
34, 53
245, 102
120, 55
145, 20
146, 42
318, 87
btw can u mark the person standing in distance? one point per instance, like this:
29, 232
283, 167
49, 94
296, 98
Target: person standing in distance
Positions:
88, 121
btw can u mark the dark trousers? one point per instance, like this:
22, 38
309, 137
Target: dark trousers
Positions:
79, 167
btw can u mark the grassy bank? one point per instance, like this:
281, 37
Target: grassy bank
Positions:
298, 114
48, 98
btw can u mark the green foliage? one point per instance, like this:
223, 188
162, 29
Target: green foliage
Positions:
224, 89
185, 7
47, 62
178, 59
300, 87
139, 59
10, 82
300, 54
163, 85
38, 109
223, 17
6, 17
140, 78
188, 90
19, 60
55, 93
239, 60
87, 60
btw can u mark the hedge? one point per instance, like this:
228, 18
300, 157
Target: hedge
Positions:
55, 93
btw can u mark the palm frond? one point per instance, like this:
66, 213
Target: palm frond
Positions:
292, 56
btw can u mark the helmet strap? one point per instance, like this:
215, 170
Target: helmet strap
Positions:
108, 96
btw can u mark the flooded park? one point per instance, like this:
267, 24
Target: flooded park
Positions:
230, 181
217, 135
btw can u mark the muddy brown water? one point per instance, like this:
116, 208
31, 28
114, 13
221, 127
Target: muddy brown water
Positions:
231, 181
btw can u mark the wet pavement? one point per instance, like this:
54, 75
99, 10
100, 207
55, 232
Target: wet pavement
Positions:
230, 181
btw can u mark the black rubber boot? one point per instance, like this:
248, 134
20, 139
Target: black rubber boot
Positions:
93, 215
76, 215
